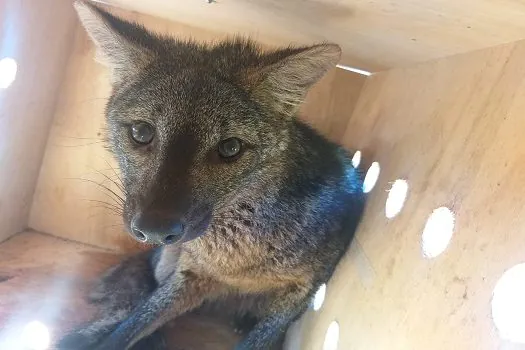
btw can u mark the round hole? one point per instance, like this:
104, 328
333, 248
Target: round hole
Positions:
396, 198
319, 297
8, 69
170, 239
371, 177
331, 339
437, 232
36, 336
356, 159
508, 304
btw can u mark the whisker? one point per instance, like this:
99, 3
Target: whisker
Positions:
111, 209
119, 186
116, 174
111, 205
116, 196
92, 216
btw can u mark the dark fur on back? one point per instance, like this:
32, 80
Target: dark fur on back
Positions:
256, 234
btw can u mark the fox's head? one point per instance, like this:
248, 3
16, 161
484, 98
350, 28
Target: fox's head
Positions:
197, 128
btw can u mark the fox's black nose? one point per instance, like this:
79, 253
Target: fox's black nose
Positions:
156, 228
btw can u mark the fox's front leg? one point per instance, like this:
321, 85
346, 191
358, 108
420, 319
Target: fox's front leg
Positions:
282, 310
180, 293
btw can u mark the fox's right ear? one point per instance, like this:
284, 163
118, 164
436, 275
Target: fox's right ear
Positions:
124, 47
285, 83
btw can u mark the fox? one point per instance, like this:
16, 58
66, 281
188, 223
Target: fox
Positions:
247, 209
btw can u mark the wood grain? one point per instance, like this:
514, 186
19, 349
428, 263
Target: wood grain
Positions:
452, 129
45, 278
26, 107
375, 35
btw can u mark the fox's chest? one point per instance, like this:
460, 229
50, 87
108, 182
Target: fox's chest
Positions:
246, 263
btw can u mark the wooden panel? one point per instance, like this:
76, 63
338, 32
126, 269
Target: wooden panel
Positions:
330, 104
66, 202
375, 35
51, 289
37, 35
453, 130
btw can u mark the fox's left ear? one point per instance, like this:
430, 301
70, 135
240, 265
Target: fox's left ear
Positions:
285, 83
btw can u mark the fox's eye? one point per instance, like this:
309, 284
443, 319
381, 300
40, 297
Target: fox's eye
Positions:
230, 148
142, 133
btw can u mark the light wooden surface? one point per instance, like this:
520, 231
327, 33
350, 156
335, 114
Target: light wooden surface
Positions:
45, 279
330, 104
454, 130
26, 107
67, 198
375, 35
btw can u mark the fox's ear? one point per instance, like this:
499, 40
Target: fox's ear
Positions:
124, 47
284, 84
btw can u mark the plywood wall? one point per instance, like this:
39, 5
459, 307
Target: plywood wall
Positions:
453, 129
37, 35
375, 35
67, 201
330, 104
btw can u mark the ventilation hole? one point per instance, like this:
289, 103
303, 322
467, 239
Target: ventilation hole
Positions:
508, 304
319, 297
396, 198
437, 232
8, 69
356, 159
331, 338
371, 177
